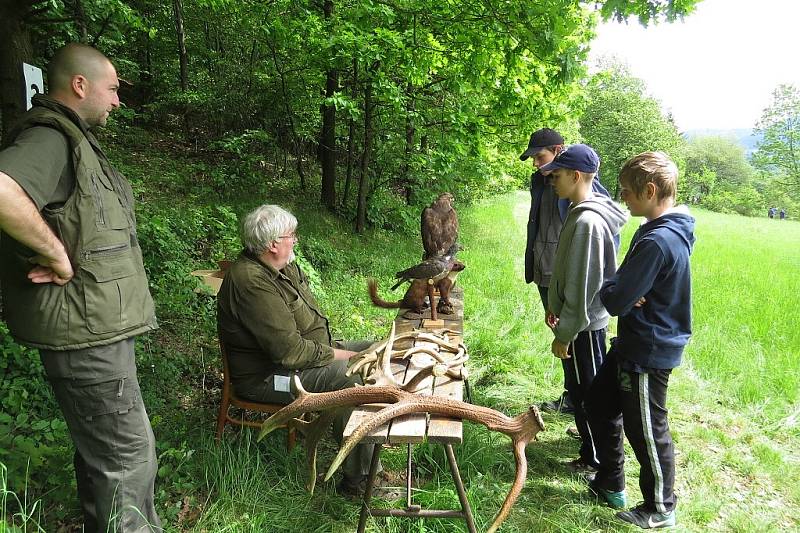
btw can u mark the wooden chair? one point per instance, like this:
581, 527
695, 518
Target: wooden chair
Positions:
229, 400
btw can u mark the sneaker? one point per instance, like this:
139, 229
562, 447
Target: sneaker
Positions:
581, 466
614, 499
559, 405
647, 519
572, 431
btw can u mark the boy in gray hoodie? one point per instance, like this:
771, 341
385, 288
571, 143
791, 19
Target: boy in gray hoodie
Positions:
585, 257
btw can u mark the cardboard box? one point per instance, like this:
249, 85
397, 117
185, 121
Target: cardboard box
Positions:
211, 278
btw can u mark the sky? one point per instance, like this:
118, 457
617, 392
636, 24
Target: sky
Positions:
718, 68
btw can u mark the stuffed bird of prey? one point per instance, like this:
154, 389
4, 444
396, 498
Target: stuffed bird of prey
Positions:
439, 226
434, 268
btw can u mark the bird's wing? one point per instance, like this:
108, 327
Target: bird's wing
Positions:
428, 231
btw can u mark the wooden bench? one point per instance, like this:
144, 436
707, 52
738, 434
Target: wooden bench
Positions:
417, 428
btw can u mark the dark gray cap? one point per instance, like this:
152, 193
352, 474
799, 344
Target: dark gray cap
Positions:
540, 139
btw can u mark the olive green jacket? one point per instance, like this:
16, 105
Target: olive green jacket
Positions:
108, 300
270, 321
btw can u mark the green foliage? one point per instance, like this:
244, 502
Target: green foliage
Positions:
723, 156
743, 200
719, 177
647, 10
176, 241
32, 432
780, 129
17, 516
620, 121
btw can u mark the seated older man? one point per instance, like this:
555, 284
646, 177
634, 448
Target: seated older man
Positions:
274, 329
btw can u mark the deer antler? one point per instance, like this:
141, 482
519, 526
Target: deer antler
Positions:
313, 432
521, 428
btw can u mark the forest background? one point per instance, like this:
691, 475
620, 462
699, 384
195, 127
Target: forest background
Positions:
364, 110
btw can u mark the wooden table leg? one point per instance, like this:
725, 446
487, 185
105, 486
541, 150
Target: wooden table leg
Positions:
373, 470
462, 495
409, 506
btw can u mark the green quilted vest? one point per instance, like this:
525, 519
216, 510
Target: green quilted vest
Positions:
108, 300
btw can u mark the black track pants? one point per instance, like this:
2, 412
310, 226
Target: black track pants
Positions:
636, 402
588, 351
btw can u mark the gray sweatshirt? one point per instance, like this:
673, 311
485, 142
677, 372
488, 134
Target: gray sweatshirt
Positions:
585, 257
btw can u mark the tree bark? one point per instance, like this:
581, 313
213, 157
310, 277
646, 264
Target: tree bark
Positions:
327, 146
290, 117
363, 185
409, 147
177, 8
15, 48
80, 20
351, 140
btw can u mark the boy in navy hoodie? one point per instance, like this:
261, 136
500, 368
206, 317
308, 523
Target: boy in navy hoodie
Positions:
584, 258
651, 294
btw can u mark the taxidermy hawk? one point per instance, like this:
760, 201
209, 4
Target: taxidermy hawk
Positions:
439, 226
434, 268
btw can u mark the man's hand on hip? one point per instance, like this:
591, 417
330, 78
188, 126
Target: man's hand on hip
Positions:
58, 270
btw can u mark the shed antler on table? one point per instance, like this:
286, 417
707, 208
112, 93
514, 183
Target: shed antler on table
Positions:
521, 429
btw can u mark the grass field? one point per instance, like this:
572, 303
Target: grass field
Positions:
734, 403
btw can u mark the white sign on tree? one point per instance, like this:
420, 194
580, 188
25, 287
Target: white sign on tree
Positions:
34, 83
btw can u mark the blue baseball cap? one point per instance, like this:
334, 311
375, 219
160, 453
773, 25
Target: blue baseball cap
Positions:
575, 157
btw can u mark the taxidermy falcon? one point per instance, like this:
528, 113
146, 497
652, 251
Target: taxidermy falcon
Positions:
439, 226
434, 268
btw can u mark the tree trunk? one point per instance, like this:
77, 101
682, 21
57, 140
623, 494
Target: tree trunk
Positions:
363, 185
351, 147
351, 140
327, 145
15, 49
80, 20
296, 149
409, 148
177, 8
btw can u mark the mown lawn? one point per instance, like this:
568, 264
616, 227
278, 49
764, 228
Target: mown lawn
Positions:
734, 403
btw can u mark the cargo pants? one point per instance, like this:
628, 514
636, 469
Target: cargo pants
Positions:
320, 379
115, 456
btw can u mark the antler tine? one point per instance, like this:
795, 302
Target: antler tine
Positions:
314, 431
522, 429
382, 375
368, 354
320, 401
384, 415
362, 363
423, 373
438, 340
516, 487
386, 356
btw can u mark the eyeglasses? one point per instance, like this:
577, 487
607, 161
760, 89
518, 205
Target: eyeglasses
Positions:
292, 236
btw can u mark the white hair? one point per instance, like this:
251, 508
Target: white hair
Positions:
265, 224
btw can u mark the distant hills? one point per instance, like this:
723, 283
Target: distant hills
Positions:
744, 136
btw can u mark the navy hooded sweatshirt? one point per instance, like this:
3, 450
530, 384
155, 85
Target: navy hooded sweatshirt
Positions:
656, 267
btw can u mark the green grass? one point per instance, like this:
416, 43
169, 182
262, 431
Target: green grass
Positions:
734, 406
737, 461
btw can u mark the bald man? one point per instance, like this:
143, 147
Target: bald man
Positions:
74, 284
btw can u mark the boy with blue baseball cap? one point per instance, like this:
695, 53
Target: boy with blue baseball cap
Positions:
585, 257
